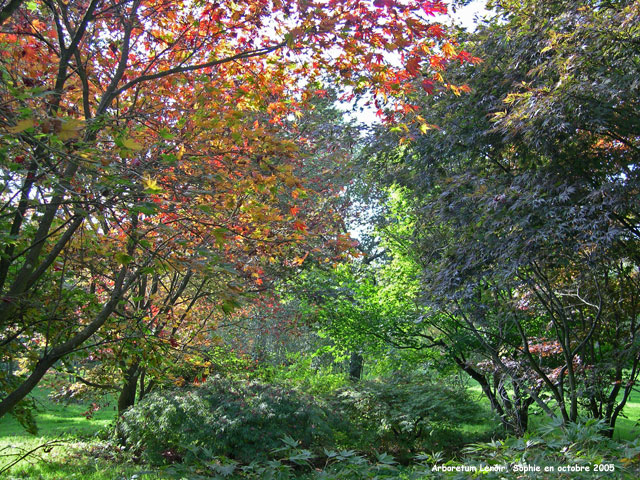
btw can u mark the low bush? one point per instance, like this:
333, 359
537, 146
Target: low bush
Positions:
574, 451
406, 414
296, 463
244, 421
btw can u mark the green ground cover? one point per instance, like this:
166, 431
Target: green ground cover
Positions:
82, 451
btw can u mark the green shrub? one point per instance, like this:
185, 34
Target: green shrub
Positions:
244, 421
574, 451
405, 414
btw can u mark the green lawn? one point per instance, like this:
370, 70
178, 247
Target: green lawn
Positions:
627, 427
55, 419
75, 436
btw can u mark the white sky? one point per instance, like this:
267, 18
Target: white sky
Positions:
465, 16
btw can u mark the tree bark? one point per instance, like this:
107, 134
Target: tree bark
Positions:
356, 362
127, 397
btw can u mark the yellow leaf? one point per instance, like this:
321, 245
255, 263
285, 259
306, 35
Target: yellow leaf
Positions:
151, 184
70, 128
448, 50
180, 152
131, 144
290, 180
38, 25
22, 125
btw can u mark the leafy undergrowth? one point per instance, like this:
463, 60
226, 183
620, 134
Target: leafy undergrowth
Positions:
579, 451
579, 447
87, 456
405, 414
245, 420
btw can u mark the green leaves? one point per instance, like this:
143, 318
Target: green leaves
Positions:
220, 235
226, 416
170, 137
146, 208
123, 258
229, 305
524, 194
410, 412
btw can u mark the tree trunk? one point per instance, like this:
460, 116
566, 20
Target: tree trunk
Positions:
484, 384
127, 396
514, 417
521, 410
356, 363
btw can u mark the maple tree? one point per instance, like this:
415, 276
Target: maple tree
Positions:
157, 135
526, 208
167, 329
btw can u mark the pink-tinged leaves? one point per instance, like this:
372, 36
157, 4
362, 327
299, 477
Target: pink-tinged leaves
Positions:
433, 8
384, 3
413, 66
427, 86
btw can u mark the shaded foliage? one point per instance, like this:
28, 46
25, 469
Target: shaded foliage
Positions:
408, 413
241, 420
525, 202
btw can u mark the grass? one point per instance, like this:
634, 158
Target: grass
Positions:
56, 419
75, 436
68, 464
627, 426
